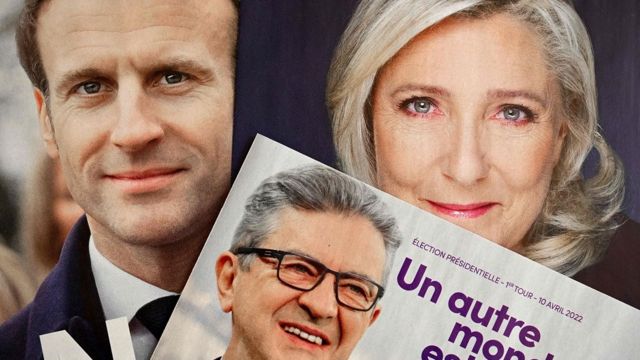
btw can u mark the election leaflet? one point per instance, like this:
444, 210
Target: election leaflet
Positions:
299, 279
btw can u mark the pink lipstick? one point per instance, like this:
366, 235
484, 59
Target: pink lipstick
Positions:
462, 211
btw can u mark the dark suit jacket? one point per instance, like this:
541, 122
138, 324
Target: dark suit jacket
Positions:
66, 300
618, 273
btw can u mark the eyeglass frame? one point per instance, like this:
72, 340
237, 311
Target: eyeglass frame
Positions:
280, 254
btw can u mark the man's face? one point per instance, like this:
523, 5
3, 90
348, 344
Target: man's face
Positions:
262, 307
140, 111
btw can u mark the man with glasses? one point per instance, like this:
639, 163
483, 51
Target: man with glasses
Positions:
307, 267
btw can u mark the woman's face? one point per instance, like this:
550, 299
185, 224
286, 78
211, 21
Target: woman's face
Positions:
467, 125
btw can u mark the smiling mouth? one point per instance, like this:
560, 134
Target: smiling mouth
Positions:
139, 182
314, 339
462, 211
144, 174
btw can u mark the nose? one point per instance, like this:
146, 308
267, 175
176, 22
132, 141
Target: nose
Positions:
137, 124
466, 160
321, 301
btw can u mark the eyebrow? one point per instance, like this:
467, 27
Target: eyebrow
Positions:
491, 94
177, 64
505, 93
303, 254
71, 78
428, 89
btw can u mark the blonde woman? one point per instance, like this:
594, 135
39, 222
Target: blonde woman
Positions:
48, 213
16, 285
483, 113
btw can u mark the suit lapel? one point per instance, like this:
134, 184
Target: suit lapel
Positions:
68, 300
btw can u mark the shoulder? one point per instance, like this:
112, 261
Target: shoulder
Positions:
68, 293
617, 274
19, 336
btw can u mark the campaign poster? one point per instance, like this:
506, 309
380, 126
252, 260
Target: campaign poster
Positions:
450, 294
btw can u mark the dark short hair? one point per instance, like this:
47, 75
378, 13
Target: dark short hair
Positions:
314, 188
27, 43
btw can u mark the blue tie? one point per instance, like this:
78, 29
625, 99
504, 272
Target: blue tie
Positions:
155, 314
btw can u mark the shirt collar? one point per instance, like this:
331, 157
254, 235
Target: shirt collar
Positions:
121, 294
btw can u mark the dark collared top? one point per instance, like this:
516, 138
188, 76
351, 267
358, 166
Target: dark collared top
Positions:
66, 300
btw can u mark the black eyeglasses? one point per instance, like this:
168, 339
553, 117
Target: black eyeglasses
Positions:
304, 273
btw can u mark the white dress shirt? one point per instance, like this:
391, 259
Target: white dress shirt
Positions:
122, 294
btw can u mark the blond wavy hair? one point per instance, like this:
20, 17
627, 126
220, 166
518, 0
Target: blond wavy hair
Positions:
17, 286
38, 229
579, 215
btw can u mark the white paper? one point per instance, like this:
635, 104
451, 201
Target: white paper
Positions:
574, 321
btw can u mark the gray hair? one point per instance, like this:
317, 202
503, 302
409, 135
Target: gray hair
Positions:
579, 215
315, 188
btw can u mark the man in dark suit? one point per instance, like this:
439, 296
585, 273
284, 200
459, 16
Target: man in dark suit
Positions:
135, 99
290, 278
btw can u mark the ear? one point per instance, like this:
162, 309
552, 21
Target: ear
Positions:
46, 128
374, 314
560, 136
226, 272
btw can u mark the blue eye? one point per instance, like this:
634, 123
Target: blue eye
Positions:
90, 87
173, 77
418, 106
421, 106
515, 114
512, 114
